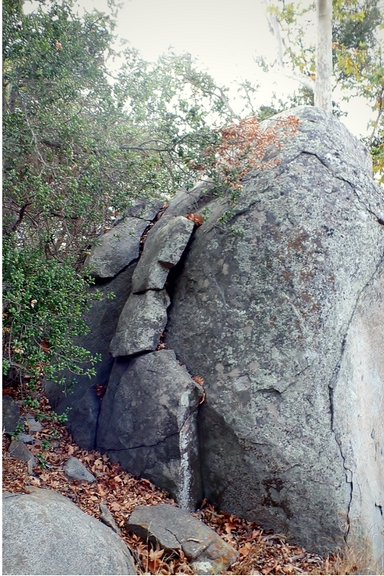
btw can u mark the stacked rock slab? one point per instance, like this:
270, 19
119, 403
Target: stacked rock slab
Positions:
148, 417
270, 310
112, 263
144, 315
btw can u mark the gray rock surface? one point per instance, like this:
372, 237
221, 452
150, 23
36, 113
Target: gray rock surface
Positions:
174, 529
82, 397
262, 311
358, 417
141, 323
163, 249
120, 245
144, 208
19, 450
107, 518
32, 424
117, 248
279, 310
148, 423
26, 438
191, 201
76, 470
11, 414
45, 533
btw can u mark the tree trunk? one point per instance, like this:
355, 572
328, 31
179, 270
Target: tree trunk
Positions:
323, 83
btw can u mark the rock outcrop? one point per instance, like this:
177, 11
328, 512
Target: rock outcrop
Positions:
263, 310
278, 310
45, 533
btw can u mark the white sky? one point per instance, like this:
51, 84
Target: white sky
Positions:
224, 35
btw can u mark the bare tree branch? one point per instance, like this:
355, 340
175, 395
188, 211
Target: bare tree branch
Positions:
275, 28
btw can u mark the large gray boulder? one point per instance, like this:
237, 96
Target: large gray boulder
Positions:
148, 423
45, 533
264, 311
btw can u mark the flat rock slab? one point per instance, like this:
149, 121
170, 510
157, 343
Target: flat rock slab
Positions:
141, 323
46, 533
18, 450
76, 470
117, 248
193, 200
175, 529
163, 249
144, 208
32, 424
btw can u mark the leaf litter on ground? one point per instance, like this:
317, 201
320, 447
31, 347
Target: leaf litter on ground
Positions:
260, 552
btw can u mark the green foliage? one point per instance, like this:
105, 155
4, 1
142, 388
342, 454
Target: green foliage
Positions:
79, 145
358, 63
31, 402
44, 302
18, 431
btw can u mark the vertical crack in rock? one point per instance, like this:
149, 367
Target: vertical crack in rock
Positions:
353, 186
333, 382
187, 424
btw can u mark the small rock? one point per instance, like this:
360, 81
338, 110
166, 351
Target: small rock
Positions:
18, 450
175, 529
107, 518
76, 470
11, 415
32, 424
26, 438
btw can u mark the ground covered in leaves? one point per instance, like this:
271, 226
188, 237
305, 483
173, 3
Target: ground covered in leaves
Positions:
260, 552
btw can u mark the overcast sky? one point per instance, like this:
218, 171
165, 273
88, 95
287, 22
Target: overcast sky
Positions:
224, 35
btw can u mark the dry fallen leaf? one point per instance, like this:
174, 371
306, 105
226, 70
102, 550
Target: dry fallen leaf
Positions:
196, 219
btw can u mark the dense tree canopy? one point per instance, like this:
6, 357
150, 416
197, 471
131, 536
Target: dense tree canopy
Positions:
79, 146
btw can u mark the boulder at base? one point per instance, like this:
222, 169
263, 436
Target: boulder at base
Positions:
148, 423
174, 529
45, 533
263, 310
